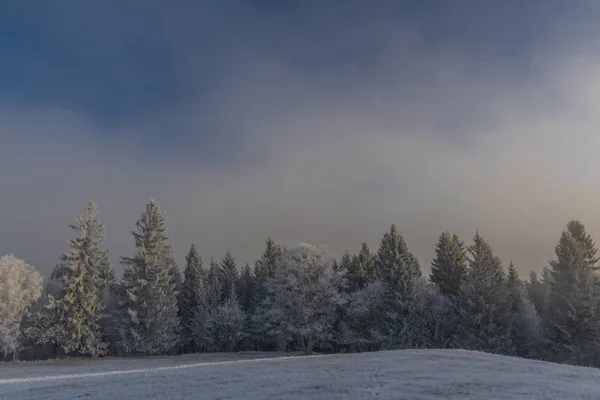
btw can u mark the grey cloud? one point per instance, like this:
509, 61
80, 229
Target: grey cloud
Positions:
429, 140
330, 175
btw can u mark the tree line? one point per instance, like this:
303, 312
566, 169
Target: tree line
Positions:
300, 299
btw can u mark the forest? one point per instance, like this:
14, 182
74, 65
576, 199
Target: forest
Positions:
299, 298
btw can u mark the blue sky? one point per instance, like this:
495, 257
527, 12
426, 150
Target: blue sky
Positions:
305, 120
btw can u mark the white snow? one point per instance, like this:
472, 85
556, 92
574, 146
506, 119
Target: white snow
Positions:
408, 374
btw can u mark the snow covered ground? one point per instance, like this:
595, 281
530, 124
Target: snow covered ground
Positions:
409, 374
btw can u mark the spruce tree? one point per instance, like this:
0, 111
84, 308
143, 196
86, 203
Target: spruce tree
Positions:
192, 302
213, 284
229, 276
344, 267
84, 273
264, 269
341, 328
362, 269
149, 303
571, 318
449, 267
526, 329
245, 289
580, 235
513, 276
397, 269
483, 307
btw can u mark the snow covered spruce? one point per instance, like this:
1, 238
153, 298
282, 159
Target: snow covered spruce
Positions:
300, 299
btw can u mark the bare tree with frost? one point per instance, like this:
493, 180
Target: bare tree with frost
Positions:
20, 287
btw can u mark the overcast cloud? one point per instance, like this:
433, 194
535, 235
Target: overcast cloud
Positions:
325, 139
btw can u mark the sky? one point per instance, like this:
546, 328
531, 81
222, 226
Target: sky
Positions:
307, 121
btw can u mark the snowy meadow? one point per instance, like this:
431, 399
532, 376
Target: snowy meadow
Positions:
405, 374
299, 299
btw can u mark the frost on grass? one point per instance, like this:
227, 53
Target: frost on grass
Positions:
406, 374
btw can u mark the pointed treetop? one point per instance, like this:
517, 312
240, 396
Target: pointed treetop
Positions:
513, 276
449, 266
484, 266
578, 232
344, 264
264, 268
229, 276
393, 257
193, 257
533, 277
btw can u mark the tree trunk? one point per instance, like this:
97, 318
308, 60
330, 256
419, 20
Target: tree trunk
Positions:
15, 355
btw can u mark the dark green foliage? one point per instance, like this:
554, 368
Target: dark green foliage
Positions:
580, 235
571, 323
265, 267
245, 289
361, 271
192, 302
397, 269
395, 264
449, 267
229, 276
213, 284
483, 307
513, 276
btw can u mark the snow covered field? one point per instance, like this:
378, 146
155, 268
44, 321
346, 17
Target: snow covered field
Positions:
409, 374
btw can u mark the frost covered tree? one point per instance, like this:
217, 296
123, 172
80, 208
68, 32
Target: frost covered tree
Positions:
85, 274
362, 313
302, 298
245, 289
449, 266
43, 326
264, 270
193, 309
537, 289
20, 287
213, 284
483, 307
514, 285
225, 326
526, 328
361, 271
397, 269
430, 308
229, 276
513, 276
149, 320
580, 235
265, 267
354, 330
571, 315
341, 327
